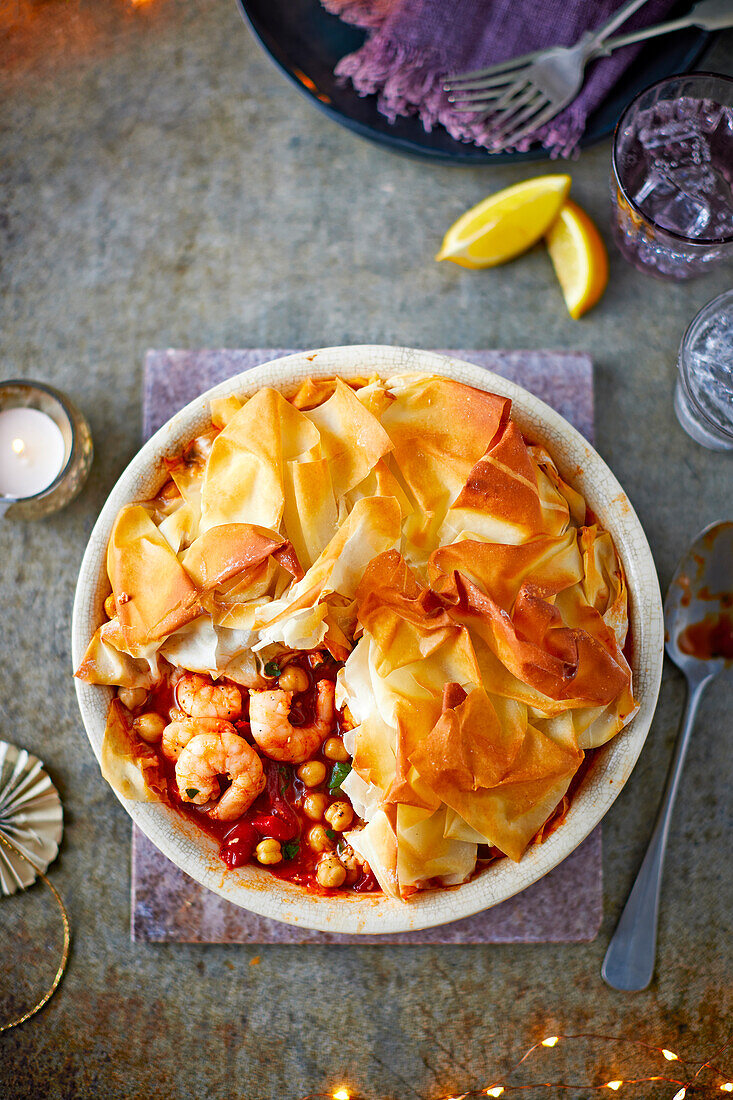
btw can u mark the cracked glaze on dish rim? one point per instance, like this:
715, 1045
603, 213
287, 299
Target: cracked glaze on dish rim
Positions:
193, 851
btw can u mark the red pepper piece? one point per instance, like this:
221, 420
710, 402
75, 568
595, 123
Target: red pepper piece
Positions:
239, 844
366, 883
270, 825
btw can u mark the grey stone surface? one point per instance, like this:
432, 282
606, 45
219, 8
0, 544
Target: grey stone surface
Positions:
162, 185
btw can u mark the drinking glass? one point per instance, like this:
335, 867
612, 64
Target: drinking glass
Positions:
672, 175
703, 398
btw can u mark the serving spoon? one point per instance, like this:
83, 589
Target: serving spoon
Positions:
698, 620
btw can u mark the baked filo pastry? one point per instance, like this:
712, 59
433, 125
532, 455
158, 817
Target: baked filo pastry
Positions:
405, 527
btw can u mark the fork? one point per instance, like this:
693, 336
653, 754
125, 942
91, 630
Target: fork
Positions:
520, 95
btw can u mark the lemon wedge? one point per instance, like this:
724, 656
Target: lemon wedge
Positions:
506, 223
579, 257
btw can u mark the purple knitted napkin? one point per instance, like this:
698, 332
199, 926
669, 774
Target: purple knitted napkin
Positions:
414, 44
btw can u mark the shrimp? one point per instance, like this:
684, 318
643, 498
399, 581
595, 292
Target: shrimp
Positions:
199, 697
269, 716
181, 729
209, 755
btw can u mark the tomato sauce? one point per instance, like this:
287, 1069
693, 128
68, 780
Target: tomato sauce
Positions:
278, 812
709, 639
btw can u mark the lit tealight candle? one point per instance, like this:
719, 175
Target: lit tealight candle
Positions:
32, 452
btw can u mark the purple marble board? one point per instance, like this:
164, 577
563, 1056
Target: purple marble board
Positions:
168, 906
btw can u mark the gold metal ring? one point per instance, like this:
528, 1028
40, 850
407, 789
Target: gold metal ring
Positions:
65, 951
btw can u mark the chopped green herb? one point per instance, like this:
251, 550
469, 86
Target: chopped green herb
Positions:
191, 792
330, 834
291, 850
272, 668
339, 773
284, 778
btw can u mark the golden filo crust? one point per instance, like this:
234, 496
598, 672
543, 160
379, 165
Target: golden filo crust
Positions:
405, 525
154, 594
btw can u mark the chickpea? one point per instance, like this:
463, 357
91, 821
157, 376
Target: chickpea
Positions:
348, 857
150, 726
312, 773
339, 816
334, 750
132, 698
269, 851
314, 806
294, 679
319, 840
110, 607
330, 872
351, 862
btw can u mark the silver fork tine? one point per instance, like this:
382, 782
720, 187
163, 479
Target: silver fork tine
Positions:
503, 96
521, 89
494, 81
487, 97
466, 79
525, 120
481, 93
509, 96
531, 98
511, 136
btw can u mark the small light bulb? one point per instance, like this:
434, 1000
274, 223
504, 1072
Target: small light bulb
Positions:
341, 1094
18, 446
727, 1087
615, 1085
680, 1095
497, 1090
671, 1056
551, 1041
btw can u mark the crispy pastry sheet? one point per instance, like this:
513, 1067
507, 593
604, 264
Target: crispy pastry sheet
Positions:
407, 526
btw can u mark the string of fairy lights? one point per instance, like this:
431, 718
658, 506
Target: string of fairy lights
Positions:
692, 1084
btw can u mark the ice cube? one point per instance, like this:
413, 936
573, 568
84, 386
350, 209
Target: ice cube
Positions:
684, 213
664, 135
710, 115
714, 391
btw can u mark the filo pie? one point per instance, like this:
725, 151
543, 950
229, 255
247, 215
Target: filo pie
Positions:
366, 635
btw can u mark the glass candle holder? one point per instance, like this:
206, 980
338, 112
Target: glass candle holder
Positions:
703, 399
46, 450
672, 176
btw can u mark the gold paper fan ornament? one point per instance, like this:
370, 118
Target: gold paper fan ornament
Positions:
31, 825
31, 818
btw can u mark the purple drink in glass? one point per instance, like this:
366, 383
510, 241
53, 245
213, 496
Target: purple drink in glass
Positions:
672, 183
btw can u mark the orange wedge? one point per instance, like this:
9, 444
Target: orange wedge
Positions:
506, 223
579, 257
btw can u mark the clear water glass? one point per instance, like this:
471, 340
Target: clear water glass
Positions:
703, 398
672, 176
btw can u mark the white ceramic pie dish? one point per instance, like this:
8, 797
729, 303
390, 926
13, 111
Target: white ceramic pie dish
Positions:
257, 890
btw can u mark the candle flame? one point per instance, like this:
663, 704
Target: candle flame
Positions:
18, 446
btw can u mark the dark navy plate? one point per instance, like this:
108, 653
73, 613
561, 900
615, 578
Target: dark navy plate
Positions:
306, 43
